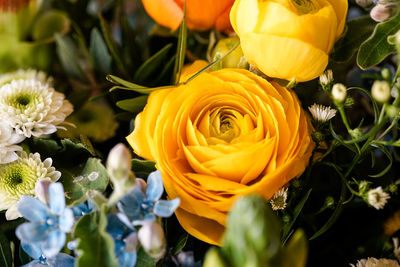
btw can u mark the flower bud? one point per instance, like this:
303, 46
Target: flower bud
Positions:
326, 78
365, 3
152, 238
235, 59
339, 92
381, 91
383, 12
42, 190
392, 111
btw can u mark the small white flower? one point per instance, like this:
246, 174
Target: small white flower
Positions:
28, 74
8, 143
326, 77
33, 108
373, 262
19, 178
377, 198
322, 113
339, 92
380, 91
278, 201
152, 238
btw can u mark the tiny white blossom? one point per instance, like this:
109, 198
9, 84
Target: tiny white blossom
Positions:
373, 262
380, 91
278, 201
19, 178
377, 198
339, 92
322, 113
8, 143
326, 77
33, 108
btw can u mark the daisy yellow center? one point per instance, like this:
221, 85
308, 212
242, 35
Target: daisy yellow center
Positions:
17, 179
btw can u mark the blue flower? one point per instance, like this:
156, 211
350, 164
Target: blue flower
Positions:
125, 239
83, 208
139, 206
35, 252
48, 224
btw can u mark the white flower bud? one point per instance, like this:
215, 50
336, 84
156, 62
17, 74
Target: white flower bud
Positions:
326, 78
152, 238
42, 190
365, 3
381, 91
119, 162
377, 198
383, 12
339, 92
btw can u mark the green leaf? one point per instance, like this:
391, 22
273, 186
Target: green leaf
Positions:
78, 181
128, 85
68, 54
112, 46
358, 30
5, 252
143, 166
144, 260
134, 105
390, 158
150, 66
79, 98
74, 146
297, 210
181, 49
95, 245
45, 147
180, 244
376, 48
50, 23
99, 52
23, 257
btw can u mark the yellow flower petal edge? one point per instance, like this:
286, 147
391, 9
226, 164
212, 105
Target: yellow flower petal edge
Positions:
224, 134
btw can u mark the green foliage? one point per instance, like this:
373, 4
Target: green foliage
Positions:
144, 260
96, 247
180, 244
143, 167
181, 48
99, 52
5, 252
134, 105
50, 23
376, 48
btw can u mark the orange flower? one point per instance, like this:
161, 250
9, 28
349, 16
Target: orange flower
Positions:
225, 134
200, 14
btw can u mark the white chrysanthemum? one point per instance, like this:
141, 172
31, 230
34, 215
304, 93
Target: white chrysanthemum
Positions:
373, 262
322, 113
8, 141
33, 108
278, 201
28, 74
377, 198
19, 178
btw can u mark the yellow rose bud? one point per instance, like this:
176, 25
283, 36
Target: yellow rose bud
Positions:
289, 39
224, 134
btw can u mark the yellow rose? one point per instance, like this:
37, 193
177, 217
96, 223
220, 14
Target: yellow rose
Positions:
289, 38
224, 134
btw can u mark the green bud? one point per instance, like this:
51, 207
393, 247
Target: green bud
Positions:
349, 102
355, 133
213, 258
235, 59
363, 187
386, 75
392, 111
318, 137
329, 201
393, 188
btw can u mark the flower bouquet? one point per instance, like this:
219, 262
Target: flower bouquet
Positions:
199, 133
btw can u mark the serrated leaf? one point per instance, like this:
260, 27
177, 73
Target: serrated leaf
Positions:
150, 66
376, 48
95, 245
181, 48
134, 105
99, 52
144, 167
358, 30
68, 55
5, 252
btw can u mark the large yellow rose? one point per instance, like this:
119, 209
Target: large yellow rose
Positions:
224, 134
289, 38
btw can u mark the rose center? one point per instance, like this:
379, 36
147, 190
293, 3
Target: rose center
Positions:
305, 6
225, 124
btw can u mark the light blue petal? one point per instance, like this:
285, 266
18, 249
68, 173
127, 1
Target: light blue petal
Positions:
62, 260
32, 249
57, 198
155, 188
66, 220
35, 263
32, 209
165, 208
31, 232
54, 243
131, 203
126, 259
125, 220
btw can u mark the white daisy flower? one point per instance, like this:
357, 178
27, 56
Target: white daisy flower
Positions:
373, 262
377, 198
33, 108
19, 178
278, 201
28, 74
8, 141
322, 113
